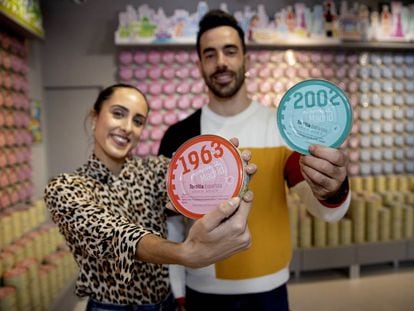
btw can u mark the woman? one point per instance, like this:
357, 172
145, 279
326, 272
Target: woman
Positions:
111, 212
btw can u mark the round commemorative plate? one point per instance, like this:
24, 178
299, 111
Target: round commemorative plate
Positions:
205, 171
314, 112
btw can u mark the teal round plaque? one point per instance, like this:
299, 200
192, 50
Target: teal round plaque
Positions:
314, 112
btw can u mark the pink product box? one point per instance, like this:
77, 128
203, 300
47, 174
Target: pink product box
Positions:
278, 72
303, 72
167, 57
303, 57
142, 86
170, 118
182, 57
145, 134
157, 133
315, 57
154, 73
169, 88
168, 73
184, 102
198, 101
353, 169
154, 147
197, 87
265, 87
126, 73
154, 57
316, 72
140, 57
194, 57
252, 86
183, 87
328, 72
125, 58
195, 73
155, 103
182, 72
140, 73
264, 56
155, 118
170, 102
290, 72
143, 149
155, 88
278, 87
327, 58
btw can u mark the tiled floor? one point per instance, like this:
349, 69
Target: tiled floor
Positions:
379, 288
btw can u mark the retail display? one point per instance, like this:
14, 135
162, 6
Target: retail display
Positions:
34, 263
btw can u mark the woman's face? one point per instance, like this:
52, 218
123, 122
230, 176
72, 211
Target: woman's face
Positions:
118, 126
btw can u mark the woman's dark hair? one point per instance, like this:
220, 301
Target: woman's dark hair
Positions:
106, 93
217, 18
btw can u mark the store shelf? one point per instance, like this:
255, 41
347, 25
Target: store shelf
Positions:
352, 256
308, 45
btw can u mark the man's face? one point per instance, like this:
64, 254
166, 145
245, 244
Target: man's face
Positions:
222, 61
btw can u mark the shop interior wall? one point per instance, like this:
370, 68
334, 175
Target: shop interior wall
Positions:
78, 58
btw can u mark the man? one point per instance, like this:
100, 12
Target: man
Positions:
254, 279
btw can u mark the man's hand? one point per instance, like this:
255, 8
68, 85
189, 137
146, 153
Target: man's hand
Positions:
324, 170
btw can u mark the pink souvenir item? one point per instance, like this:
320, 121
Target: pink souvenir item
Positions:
140, 73
184, 102
168, 73
170, 103
145, 134
205, 171
315, 72
340, 59
327, 58
157, 133
154, 73
125, 73
265, 87
154, 57
198, 101
353, 169
264, 56
353, 142
155, 88
328, 72
354, 155
154, 147
278, 87
252, 86
315, 57
290, 72
276, 57
303, 72
355, 127
194, 57
303, 57
195, 73
143, 149
182, 115
140, 58
167, 57
264, 72
278, 73
183, 87
155, 103
182, 57
253, 72
125, 57
182, 72
170, 118
155, 118
197, 87
169, 88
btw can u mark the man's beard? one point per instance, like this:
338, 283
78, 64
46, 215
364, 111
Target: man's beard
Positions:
228, 90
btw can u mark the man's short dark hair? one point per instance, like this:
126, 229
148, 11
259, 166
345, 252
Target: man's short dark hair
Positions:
217, 18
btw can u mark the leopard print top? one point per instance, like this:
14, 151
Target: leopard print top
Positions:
102, 217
